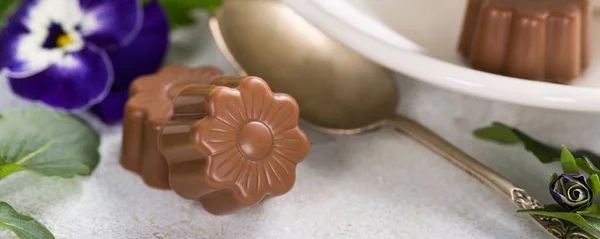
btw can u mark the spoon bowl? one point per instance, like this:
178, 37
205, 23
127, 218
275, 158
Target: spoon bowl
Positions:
335, 87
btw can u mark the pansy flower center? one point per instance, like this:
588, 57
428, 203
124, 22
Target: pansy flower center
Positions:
63, 40
58, 37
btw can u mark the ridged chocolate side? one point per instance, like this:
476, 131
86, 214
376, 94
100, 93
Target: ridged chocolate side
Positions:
187, 164
150, 105
546, 40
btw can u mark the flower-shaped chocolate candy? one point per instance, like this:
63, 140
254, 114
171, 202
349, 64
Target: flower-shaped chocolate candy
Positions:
571, 192
245, 149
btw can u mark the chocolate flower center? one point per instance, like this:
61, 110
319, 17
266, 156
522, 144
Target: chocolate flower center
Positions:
255, 140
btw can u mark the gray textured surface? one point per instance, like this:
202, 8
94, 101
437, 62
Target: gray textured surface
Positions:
376, 185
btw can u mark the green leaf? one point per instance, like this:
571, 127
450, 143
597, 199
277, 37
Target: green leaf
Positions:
590, 156
501, 133
6, 9
568, 161
46, 142
179, 11
23, 226
594, 182
592, 210
554, 208
587, 165
553, 176
584, 221
10, 169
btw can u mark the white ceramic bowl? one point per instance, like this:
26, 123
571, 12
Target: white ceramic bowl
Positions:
419, 37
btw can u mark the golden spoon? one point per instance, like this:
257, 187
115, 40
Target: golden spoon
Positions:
338, 90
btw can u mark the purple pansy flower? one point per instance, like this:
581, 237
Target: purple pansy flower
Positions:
571, 192
82, 54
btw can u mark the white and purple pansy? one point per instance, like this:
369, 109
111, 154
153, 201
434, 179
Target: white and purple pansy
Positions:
81, 55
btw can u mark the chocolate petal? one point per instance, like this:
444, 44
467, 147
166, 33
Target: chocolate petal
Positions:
292, 145
249, 186
281, 174
256, 94
226, 166
229, 109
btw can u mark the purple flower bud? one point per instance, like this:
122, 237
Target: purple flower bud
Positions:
571, 192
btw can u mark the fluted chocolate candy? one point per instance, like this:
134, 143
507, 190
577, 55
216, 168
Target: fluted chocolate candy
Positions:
244, 150
150, 105
545, 40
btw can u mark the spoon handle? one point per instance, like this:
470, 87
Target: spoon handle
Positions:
518, 196
454, 155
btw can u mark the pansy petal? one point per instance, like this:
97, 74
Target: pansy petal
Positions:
112, 108
77, 81
12, 38
580, 178
66, 13
111, 23
136, 59
557, 197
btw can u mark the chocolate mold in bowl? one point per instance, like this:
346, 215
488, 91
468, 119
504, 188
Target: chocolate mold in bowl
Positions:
438, 31
544, 40
243, 151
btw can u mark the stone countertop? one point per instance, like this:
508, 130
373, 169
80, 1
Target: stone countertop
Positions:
375, 185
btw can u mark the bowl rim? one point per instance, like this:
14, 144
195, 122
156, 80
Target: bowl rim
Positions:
447, 75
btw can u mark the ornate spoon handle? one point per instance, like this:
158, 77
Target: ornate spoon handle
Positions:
518, 196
